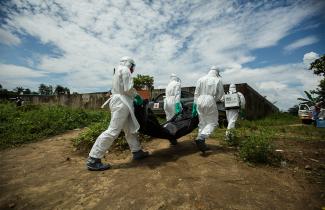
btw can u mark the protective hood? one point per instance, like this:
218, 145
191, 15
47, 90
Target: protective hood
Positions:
127, 61
216, 69
232, 88
173, 77
212, 73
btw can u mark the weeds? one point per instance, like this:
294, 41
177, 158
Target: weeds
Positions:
257, 147
87, 138
28, 123
255, 140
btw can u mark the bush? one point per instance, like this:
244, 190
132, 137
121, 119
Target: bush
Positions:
28, 123
87, 138
232, 138
258, 147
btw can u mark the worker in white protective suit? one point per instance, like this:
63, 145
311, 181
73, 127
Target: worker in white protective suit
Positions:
233, 112
208, 91
122, 117
172, 101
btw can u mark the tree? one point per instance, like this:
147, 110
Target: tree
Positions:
27, 91
59, 90
3, 91
67, 91
143, 82
318, 67
19, 90
310, 100
45, 90
293, 110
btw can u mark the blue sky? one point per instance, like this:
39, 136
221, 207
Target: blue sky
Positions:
267, 44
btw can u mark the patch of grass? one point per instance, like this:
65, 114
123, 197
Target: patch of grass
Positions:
278, 119
28, 123
255, 139
232, 138
258, 147
303, 133
87, 138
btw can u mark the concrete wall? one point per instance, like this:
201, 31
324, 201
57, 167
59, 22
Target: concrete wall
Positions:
87, 100
256, 105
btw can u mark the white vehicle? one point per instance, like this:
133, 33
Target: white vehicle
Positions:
305, 113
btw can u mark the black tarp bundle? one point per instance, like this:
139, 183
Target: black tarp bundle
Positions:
178, 126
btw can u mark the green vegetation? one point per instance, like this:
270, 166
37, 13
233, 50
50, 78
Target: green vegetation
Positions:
28, 123
87, 138
143, 81
258, 147
318, 68
256, 140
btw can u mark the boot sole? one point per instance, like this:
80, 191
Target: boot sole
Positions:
97, 169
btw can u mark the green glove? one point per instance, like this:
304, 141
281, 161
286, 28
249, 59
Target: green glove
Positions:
138, 100
242, 114
194, 110
178, 108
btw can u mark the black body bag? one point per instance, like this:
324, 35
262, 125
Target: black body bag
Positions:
178, 126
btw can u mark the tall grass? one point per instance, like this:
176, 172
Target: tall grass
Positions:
87, 138
28, 123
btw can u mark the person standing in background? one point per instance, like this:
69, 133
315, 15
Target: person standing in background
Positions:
172, 101
234, 101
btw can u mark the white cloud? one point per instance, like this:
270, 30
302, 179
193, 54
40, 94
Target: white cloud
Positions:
13, 71
183, 37
309, 58
282, 84
12, 76
301, 43
8, 38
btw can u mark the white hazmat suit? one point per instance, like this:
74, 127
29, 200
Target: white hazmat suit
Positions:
232, 114
208, 91
122, 112
172, 101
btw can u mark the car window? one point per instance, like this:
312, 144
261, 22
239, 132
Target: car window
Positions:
304, 107
186, 95
160, 97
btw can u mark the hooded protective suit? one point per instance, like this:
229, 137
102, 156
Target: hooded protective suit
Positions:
122, 112
232, 114
217, 71
172, 101
208, 91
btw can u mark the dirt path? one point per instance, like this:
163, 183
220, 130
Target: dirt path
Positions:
51, 175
